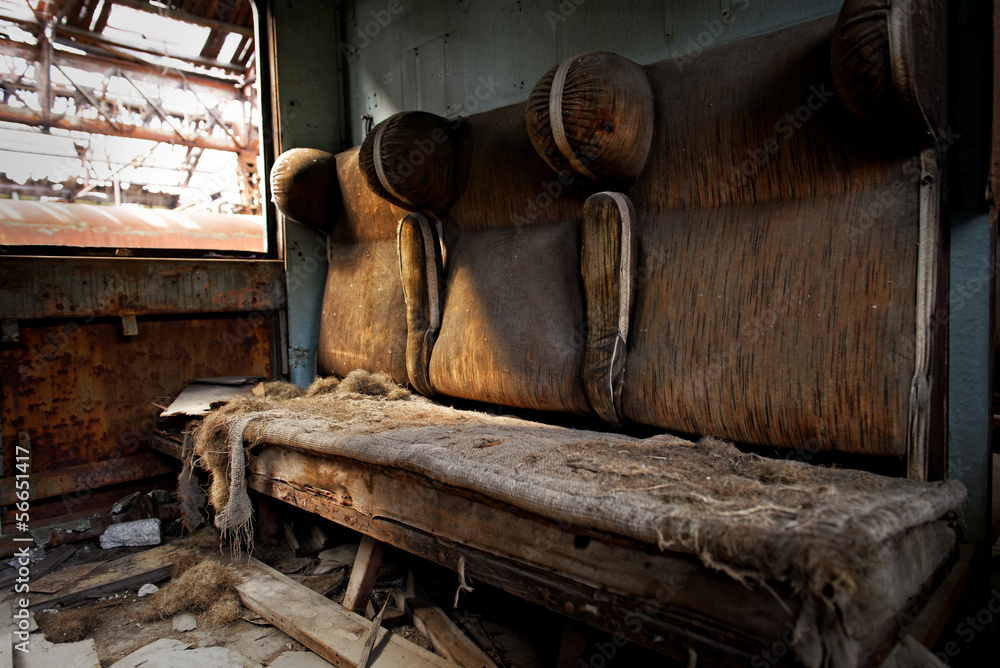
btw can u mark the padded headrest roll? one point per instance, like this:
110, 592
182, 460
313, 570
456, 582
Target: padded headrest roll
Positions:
593, 115
888, 62
409, 160
304, 187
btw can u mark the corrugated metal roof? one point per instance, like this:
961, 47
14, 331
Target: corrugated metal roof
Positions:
27, 223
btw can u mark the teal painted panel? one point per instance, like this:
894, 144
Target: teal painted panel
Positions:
458, 58
308, 100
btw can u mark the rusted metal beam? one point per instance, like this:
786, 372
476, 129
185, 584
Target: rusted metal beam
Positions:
102, 19
187, 17
45, 77
27, 116
88, 96
70, 287
87, 477
164, 116
86, 36
94, 38
139, 72
218, 121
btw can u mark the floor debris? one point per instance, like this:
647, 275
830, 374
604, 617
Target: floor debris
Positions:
170, 653
299, 660
147, 589
185, 622
127, 572
45, 654
336, 557
320, 624
132, 534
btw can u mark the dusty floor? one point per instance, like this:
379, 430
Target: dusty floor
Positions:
515, 634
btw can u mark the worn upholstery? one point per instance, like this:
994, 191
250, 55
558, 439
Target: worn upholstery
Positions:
363, 322
607, 266
512, 330
772, 293
419, 250
778, 247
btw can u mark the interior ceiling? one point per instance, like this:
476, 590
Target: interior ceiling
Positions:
86, 22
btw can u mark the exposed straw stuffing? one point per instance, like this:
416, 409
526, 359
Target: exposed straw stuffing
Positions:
69, 625
198, 586
277, 389
359, 383
221, 441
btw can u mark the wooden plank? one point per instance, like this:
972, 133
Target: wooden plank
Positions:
71, 287
448, 640
644, 597
371, 637
572, 645
167, 446
87, 477
63, 578
321, 625
366, 564
291, 539
135, 570
268, 523
52, 561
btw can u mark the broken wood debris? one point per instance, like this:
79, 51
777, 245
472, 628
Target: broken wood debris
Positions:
55, 582
320, 624
371, 636
135, 570
446, 637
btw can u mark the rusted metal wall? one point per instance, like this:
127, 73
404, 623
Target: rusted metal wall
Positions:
77, 390
81, 389
77, 287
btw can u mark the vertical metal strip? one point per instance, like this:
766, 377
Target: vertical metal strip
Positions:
927, 266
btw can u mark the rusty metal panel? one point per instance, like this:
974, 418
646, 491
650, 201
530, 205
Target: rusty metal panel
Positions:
89, 476
45, 287
27, 223
81, 390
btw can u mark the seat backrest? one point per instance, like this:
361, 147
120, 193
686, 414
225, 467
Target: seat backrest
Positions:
775, 279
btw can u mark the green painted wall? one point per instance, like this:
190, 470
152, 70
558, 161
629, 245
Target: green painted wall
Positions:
459, 57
